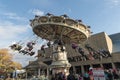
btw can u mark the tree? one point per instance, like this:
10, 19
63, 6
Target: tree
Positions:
7, 65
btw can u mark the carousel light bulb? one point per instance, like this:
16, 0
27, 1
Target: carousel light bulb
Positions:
65, 70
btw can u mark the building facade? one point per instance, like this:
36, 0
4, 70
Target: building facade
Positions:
98, 42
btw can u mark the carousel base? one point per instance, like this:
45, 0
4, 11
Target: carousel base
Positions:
60, 66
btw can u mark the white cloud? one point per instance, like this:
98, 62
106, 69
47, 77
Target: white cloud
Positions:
10, 30
22, 59
113, 3
37, 12
14, 16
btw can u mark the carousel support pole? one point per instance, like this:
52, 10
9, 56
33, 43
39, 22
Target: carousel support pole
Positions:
47, 72
26, 75
39, 72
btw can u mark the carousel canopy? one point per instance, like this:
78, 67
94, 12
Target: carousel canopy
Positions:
52, 27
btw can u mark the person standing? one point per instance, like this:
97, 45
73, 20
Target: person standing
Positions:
110, 75
71, 76
86, 76
115, 75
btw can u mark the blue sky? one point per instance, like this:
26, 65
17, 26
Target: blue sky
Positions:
101, 15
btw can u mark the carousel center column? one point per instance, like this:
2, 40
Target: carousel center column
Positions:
60, 62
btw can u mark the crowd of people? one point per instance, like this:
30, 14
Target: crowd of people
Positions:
109, 74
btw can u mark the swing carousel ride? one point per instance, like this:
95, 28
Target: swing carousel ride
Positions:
61, 30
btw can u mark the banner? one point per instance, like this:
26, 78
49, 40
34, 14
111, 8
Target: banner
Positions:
98, 74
